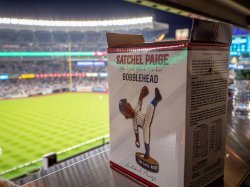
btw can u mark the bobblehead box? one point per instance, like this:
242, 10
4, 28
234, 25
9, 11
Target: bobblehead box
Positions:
167, 105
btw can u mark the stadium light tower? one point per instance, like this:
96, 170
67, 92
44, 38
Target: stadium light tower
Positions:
70, 69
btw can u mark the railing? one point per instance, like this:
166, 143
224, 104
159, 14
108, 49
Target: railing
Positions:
36, 165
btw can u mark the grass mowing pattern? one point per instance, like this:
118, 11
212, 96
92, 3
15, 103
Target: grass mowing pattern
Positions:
32, 127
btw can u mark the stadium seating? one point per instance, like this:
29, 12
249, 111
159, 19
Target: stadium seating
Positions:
51, 40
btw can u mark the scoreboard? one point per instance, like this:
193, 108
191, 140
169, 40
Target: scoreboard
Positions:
240, 46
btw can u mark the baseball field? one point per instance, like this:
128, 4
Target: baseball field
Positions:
33, 127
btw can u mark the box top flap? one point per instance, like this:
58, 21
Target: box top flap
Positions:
211, 32
205, 32
120, 40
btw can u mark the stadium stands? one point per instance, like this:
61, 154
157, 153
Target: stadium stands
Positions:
27, 76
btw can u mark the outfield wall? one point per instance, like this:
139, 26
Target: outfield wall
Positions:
87, 89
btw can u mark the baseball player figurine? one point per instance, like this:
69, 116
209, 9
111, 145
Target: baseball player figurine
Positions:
140, 119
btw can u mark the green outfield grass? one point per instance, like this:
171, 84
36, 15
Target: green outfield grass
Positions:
32, 127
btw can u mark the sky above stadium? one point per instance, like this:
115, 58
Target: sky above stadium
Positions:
86, 9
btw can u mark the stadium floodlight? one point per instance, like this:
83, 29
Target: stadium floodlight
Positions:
57, 23
49, 54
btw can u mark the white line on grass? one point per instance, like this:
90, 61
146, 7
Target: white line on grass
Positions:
82, 144
20, 166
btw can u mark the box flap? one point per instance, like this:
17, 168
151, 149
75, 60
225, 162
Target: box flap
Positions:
211, 32
120, 40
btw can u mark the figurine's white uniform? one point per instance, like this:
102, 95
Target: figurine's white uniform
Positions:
143, 120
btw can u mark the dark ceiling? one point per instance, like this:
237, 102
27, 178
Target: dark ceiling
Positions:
236, 12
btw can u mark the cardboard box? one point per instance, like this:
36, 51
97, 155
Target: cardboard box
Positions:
168, 106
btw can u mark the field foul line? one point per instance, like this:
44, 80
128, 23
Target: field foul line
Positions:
20, 166
59, 152
82, 144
